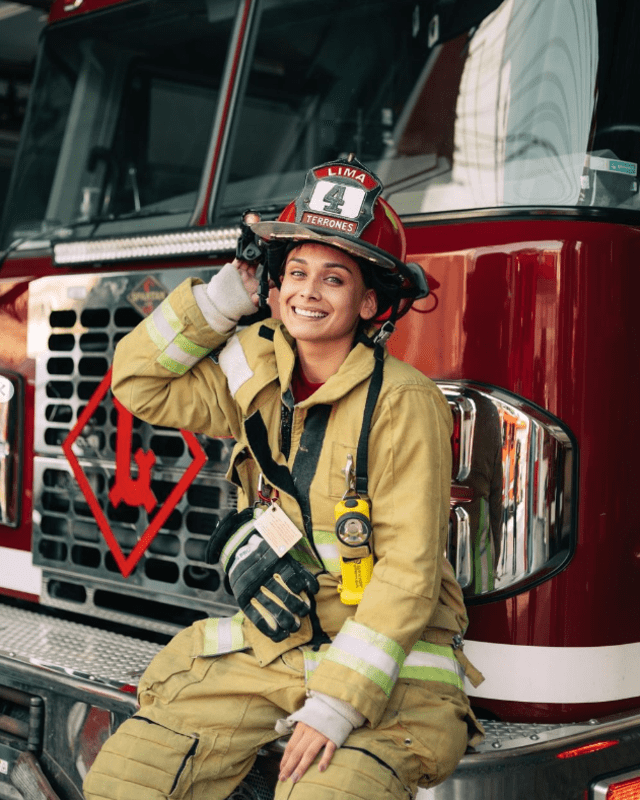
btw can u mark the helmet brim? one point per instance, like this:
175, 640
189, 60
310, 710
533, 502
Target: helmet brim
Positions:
296, 232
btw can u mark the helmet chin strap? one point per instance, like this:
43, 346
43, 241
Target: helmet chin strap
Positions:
384, 332
375, 384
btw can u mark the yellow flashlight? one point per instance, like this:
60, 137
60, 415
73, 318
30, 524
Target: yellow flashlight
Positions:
353, 530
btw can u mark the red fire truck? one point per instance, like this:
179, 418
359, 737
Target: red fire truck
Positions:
507, 134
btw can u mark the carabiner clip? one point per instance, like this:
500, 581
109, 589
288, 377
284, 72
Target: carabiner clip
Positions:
266, 494
349, 477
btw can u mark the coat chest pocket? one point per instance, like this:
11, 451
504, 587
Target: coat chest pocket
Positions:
243, 472
339, 453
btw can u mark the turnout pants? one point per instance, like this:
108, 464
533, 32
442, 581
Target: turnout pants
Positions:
202, 721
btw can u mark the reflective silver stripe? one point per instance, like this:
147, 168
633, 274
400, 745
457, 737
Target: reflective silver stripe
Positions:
183, 354
427, 662
172, 365
371, 654
223, 635
330, 556
178, 354
432, 662
234, 364
326, 545
163, 325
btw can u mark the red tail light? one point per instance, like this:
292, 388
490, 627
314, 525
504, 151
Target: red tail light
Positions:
626, 790
621, 787
587, 748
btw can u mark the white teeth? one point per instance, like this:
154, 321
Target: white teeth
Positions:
315, 314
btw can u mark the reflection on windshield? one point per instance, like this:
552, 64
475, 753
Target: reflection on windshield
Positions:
122, 115
489, 104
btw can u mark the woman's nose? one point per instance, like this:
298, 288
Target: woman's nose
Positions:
311, 290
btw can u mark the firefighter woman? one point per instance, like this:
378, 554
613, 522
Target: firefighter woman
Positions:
350, 621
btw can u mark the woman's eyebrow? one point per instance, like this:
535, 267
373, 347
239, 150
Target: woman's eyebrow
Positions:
325, 265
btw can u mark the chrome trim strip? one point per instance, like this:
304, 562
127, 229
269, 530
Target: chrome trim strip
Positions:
515, 482
459, 545
11, 438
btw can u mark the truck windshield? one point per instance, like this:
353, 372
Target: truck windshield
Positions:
121, 117
455, 104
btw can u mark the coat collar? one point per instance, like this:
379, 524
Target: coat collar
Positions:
270, 354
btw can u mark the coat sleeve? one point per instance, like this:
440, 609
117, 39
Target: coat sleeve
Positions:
409, 487
160, 370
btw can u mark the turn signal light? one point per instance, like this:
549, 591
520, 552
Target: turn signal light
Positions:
587, 748
624, 786
625, 790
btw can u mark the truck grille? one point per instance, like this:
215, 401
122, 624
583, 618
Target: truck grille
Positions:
74, 324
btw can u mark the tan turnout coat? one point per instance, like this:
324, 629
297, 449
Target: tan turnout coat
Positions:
174, 370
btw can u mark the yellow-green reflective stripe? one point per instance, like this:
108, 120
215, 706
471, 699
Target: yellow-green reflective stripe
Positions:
425, 662
184, 351
443, 650
362, 667
223, 635
190, 348
163, 324
172, 319
234, 542
304, 557
171, 365
369, 653
154, 334
432, 674
312, 660
165, 330
433, 662
324, 537
378, 640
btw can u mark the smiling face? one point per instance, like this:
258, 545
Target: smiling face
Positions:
323, 296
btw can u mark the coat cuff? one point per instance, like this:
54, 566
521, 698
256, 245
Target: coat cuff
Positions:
224, 300
331, 717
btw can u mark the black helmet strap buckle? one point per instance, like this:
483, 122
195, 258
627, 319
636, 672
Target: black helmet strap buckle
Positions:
384, 333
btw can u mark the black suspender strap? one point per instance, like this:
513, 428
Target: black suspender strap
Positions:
362, 457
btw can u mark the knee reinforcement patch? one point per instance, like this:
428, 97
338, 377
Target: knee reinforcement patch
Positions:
352, 775
141, 761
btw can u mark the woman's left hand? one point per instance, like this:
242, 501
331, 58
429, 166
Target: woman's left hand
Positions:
303, 746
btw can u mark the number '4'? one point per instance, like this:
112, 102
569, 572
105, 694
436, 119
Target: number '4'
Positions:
334, 200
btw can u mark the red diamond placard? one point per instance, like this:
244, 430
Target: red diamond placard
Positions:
126, 488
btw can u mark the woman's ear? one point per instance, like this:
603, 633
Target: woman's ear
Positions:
369, 305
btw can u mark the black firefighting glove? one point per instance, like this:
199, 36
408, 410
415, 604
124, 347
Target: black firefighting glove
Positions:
269, 588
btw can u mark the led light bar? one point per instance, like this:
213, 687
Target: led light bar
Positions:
193, 242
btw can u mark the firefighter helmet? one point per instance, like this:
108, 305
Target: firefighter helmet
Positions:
340, 206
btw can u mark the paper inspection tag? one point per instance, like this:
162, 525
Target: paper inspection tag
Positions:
277, 529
